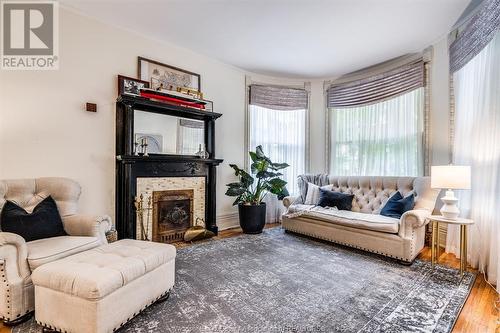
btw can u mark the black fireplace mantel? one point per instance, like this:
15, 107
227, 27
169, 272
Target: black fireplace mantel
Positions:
129, 167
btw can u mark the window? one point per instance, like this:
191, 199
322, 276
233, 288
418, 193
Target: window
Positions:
282, 134
278, 122
376, 120
380, 139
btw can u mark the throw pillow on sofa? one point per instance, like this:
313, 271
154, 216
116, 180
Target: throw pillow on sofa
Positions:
397, 205
312, 195
43, 222
335, 199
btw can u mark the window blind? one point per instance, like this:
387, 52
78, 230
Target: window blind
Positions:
476, 33
377, 88
278, 98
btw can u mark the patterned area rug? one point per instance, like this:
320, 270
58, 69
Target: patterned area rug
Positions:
280, 282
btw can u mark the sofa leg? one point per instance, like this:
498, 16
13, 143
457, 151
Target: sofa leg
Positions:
406, 263
163, 298
18, 320
48, 330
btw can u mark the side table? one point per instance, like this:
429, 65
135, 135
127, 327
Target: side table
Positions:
463, 223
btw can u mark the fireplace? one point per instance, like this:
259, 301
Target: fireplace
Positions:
172, 214
137, 177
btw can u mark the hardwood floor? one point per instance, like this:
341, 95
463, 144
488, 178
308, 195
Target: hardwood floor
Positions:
478, 315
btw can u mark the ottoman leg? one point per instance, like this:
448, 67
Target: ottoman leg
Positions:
163, 298
19, 320
48, 330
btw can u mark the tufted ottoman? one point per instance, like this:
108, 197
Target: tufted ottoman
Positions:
101, 289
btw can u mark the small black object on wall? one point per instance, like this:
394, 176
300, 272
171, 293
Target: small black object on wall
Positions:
129, 167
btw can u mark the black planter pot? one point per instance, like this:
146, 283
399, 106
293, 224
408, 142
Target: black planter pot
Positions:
252, 218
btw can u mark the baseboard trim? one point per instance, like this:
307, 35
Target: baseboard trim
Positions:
228, 221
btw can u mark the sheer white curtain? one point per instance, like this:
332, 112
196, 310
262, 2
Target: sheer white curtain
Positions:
282, 135
382, 139
477, 143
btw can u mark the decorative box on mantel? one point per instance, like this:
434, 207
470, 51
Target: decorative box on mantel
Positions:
178, 188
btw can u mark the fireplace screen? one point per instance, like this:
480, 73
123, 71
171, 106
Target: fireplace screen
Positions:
172, 214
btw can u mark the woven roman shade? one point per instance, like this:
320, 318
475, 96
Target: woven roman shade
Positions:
377, 88
278, 98
475, 34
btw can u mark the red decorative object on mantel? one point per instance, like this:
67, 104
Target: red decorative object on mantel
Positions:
166, 98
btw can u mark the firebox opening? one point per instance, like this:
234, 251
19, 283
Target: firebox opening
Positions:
172, 214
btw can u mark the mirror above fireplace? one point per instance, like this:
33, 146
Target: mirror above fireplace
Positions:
167, 134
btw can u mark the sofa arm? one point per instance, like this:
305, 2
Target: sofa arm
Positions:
412, 219
88, 225
288, 201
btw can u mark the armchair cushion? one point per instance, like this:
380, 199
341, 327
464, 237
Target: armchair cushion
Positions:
46, 250
43, 222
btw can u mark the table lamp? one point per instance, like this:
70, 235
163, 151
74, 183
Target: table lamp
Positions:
450, 177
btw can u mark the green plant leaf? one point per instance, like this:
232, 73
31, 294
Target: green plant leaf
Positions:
235, 191
253, 156
259, 152
277, 183
236, 169
259, 166
237, 201
282, 194
267, 174
279, 166
237, 184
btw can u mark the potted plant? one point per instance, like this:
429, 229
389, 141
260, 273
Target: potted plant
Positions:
251, 189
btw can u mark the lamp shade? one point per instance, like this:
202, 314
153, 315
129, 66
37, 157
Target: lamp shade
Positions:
454, 177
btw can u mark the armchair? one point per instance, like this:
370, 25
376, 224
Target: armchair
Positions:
19, 258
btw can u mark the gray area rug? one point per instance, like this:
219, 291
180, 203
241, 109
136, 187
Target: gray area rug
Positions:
280, 282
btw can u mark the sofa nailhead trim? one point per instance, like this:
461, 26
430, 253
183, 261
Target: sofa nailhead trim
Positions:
348, 245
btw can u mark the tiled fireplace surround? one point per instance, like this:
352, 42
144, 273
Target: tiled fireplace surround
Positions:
155, 187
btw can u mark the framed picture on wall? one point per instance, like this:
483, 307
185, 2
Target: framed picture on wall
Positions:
162, 76
130, 86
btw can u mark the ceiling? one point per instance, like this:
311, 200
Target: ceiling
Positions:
289, 38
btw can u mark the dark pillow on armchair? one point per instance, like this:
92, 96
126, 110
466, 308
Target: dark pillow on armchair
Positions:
43, 222
397, 205
335, 199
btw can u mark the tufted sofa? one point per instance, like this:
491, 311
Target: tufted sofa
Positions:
363, 227
19, 258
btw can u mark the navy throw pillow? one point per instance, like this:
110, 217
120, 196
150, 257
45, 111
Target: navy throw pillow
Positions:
43, 222
397, 205
335, 199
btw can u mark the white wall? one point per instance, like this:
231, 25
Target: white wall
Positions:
44, 130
